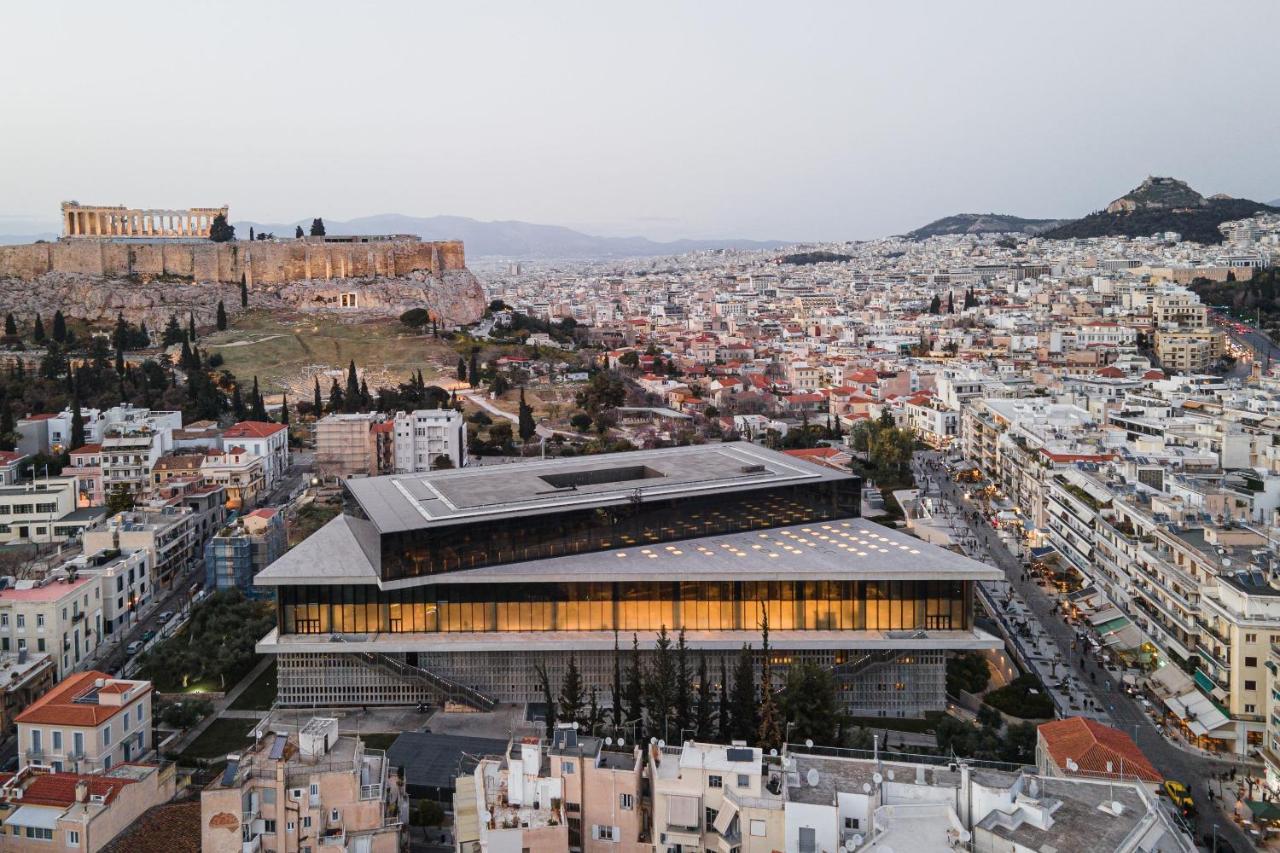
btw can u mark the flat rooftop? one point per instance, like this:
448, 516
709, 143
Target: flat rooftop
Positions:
839, 549
414, 501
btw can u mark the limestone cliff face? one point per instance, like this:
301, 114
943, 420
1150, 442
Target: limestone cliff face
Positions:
454, 296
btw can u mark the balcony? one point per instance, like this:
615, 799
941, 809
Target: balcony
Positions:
1149, 601
254, 845
1219, 659
334, 836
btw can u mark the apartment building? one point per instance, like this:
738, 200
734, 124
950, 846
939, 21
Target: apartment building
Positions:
167, 535
125, 579
26, 677
423, 436
574, 792
59, 615
268, 441
89, 723
86, 467
346, 445
43, 510
1189, 351
308, 791
241, 473
713, 797
240, 550
42, 810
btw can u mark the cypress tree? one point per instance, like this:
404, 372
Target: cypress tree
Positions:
191, 327
745, 700
571, 693
259, 407
244, 290
120, 361
222, 317
462, 368
59, 327
284, 409
335, 397
724, 718
297, 233
703, 714
473, 373
172, 332
316, 402
547, 699
617, 686
37, 333
8, 430
527, 427
770, 724
10, 324
635, 690
951, 302
661, 693
365, 398
352, 396
237, 403
683, 704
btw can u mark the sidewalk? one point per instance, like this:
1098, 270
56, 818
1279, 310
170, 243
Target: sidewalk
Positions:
220, 706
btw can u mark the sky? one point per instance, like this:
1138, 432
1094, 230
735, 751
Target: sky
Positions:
702, 119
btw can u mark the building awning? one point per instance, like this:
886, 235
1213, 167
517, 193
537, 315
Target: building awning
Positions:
683, 811
35, 817
1041, 553
1171, 680
1200, 714
1263, 810
725, 816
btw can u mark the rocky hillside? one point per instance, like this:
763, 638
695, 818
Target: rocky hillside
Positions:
1162, 204
455, 296
981, 223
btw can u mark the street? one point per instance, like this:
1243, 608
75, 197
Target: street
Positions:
1119, 709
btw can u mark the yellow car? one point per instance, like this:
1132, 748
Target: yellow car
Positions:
1180, 796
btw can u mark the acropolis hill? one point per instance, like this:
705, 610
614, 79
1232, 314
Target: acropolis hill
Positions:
148, 264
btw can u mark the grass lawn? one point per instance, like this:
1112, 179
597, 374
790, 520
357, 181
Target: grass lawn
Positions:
260, 693
222, 736
895, 724
285, 351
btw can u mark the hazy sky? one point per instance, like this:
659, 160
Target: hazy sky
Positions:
790, 120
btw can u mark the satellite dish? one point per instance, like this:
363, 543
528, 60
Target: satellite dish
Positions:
857, 840
653, 740
485, 816
808, 742
877, 778
849, 846
890, 775
866, 787
1072, 766
662, 744
1034, 788
621, 742
608, 741
812, 777
774, 753
965, 835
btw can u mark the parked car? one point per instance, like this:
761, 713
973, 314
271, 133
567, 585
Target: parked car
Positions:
148, 636
133, 648
165, 616
1181, 797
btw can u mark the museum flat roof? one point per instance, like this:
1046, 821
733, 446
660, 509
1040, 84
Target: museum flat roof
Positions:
840, 549
412, 501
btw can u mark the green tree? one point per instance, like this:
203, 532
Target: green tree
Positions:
172, 332
660, 685
8, 429
724, 717
59, 327
704, 713
635, 689
335, 397
221, 231
284, 409
683, 704
352, 394
811, 704
244, 292
935, 305
37, 332
548, 699
744, 699
77, 424
606, 390
120, 499
571, 693
580, 421
770, 723
474, 370
297, 233
317, 403
222, 317
462, 369
237, 403
500, 385
617, 686
259, 406
10, 325
527, 426
317, 227
191, 327
630, 359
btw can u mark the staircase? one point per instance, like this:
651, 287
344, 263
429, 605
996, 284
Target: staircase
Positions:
449, 690
866, 660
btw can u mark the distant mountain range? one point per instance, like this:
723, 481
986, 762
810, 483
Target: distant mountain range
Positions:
981, 223
509, 239
1162, 204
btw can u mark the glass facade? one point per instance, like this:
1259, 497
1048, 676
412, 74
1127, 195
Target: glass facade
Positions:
471, 544
631, 606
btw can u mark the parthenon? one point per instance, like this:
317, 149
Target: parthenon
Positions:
119, 221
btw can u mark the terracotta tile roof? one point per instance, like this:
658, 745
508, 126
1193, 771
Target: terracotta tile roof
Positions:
88, 448
253, 429
1091, 745
59, 789
166, 828
8, 457
59, 708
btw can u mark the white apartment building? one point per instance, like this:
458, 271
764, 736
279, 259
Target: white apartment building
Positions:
88, 723
43, 510
424, 435
265, 439
58, 615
